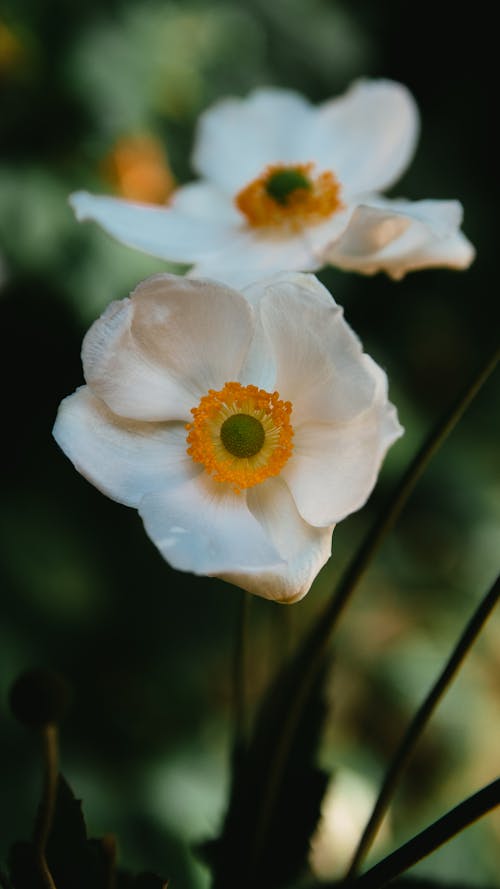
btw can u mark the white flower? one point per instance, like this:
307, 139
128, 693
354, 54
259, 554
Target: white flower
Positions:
288, 186
241, 426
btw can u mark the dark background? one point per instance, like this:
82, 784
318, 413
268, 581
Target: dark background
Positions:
148, 650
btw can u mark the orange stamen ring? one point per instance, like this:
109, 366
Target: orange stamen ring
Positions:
309, 201
205, 442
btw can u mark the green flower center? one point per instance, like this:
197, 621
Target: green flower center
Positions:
242, 435
283, 183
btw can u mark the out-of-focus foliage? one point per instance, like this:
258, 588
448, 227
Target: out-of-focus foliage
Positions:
149, 651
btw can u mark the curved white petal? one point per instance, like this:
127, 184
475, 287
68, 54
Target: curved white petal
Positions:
319, 365
309, 287
334, 466
260, 365
125, 459
202, 526
397, 236
258, 542
152, 356
367, 136
203, 200
252, 255
183, 231
304, 549
237, 138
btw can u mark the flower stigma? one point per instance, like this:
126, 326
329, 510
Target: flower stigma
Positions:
289, 196
241, 434
283, 183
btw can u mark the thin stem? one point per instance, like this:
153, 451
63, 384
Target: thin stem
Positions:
317, 641
419, 722
430, 839
239, 674
48, 802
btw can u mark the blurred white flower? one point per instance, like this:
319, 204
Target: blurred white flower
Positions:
289, 186
241, 426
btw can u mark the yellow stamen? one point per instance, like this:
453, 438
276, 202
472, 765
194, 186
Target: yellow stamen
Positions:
206, 445
305, 201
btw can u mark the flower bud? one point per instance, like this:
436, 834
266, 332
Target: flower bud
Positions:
39, 697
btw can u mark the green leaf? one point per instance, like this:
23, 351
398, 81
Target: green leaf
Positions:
276, 793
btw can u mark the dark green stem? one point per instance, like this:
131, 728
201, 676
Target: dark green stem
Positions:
239, 674
420, 721
431, 838
316, 644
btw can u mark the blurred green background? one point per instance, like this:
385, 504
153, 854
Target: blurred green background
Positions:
149, 651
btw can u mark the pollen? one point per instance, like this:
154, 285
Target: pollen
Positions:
242, 435
290, 197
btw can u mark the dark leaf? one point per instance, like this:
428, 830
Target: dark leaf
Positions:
146, 880
149, 881
276, 792
74, 861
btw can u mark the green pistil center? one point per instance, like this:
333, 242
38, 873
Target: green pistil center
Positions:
283, 183
242, 435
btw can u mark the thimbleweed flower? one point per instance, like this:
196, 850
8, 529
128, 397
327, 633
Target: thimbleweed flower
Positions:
289, 186
242, 426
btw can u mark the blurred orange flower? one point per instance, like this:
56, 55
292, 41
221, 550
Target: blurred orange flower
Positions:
12, 52
137, 168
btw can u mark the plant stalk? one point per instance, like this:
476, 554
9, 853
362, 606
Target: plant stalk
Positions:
419, 722
430, 839
49, 736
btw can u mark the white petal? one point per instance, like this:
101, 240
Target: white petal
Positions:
304, 549
202, 200
179, 234
318, 357
309, 287
252, 255
368, 136
125, 459
260, 364
238, 138
153, 356
397, 236
334, 466
202, 526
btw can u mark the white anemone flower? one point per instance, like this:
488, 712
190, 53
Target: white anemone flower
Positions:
286, 185
242, 426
